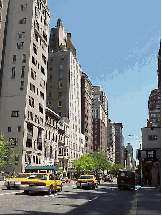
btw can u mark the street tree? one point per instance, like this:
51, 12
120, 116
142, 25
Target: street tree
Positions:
6, 152
115, 168
100, 162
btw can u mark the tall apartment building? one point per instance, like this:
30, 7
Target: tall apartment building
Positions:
23, 91
118, 143
159, 68
3, 30
111, 142
64, 86
87, 112
100, 119
154, 108
129, 148
154, 102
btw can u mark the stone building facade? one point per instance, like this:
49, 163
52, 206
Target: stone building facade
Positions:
23, 90
64, 86
87, 112
100, 120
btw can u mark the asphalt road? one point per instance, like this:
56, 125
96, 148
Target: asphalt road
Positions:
106, 199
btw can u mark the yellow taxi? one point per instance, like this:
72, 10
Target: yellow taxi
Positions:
87, 181
37, 182
16, 181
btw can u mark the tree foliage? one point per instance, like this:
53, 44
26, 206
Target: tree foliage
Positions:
115, 168
90, 163
6, 152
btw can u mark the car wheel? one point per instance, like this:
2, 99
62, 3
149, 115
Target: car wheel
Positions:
93, 187
134, 188
50, 190
119, 186
26, 192
78, 187
8, 187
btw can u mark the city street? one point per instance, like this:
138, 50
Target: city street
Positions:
106, 199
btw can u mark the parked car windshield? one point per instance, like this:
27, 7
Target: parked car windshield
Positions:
86, 177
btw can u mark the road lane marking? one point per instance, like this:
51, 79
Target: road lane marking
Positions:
133, 210
92, 199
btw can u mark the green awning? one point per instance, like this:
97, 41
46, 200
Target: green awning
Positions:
41, 168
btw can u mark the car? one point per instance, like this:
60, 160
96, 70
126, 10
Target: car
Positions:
87, 181
16, 181
126, 179
67, 180
41, 182
108, 178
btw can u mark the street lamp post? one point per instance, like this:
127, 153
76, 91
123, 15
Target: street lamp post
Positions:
140, 154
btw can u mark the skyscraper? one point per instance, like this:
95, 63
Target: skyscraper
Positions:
154, 102
64, 86
23, 90
87, 112
100, 120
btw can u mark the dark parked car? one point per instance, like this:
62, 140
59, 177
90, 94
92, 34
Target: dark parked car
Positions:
108, 178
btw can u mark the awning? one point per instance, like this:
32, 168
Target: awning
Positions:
41, 168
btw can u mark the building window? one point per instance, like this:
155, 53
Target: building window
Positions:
40, 108
14, 58
42, 83
50, 77
60, 103
152, 137
44, 36
20, 45
60, 94
24, 58
32, 87
36, 36
42, 70
42, 95
60, 75
34, 61
34, 48
22, 71
61, 67
21, 35
22, 21
158, 107
1, 5
44, 59
60, 84
14, 113
13, 73
22, 85
24, 7
31, 101
9, 129
33, 74
19, 128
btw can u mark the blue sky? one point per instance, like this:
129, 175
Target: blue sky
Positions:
117, 44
